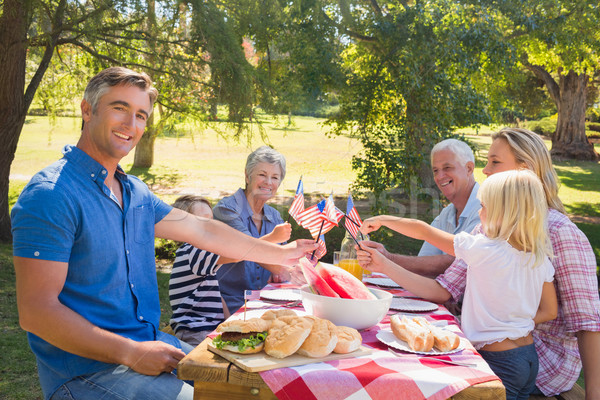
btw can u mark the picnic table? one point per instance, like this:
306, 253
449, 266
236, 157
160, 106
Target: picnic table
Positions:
379, 375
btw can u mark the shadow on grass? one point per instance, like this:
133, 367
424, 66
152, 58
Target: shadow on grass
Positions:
584, 180
585, 209
156, 180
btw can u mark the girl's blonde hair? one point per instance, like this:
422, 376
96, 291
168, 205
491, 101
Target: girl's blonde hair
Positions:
529, 149
516, 212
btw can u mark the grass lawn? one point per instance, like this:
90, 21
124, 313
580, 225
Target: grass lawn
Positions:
203, 163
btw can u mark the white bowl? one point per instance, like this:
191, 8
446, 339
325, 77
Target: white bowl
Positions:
358, 314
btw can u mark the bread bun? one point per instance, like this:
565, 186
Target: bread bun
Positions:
250, 325
443, 340
286, 335
417, 337
322, 339
349, 340
248, 350
270, 315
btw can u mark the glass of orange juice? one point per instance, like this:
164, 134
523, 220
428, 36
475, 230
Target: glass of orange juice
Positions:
352, 266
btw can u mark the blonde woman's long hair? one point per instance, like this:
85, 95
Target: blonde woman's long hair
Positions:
529, 149
516, 212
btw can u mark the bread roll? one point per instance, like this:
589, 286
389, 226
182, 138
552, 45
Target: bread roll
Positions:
443, 340
322, 339
349, 340
270, 315
417, 337
250, 325
286, 335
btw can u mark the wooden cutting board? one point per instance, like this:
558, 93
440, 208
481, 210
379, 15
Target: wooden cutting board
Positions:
262, 362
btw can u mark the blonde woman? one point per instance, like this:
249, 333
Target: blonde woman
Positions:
573, 338
499, 314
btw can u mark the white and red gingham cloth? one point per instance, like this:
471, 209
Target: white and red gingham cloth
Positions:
380, 375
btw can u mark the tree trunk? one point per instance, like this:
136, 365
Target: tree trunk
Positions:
570, 140
12, 102
144, 151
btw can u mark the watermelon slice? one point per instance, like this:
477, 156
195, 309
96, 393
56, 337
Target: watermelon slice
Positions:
344, 283
314, 280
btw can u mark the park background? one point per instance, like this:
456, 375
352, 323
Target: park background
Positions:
353, 93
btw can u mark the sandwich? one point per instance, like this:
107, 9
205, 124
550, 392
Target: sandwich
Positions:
244, 337
321, 340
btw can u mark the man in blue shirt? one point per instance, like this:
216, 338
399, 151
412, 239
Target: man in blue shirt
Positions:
452, 163
83, 244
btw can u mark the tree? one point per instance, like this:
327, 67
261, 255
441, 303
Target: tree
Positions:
408, 67
558, 41
113, 32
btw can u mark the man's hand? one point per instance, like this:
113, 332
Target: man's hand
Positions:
377, 246
154, 358
296, 250
370, 224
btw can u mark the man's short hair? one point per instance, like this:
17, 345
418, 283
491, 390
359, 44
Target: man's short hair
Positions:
461, 150
114, 76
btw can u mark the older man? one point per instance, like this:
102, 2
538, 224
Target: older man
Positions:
83, 244
452, 163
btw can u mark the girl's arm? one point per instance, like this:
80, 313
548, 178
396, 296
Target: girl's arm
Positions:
548, 309
427, 288
412, 228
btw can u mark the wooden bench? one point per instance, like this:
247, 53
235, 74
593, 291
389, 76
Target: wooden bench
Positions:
577, 393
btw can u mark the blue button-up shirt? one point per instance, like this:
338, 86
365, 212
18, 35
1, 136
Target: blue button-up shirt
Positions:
244, 275
446, 221
67, 214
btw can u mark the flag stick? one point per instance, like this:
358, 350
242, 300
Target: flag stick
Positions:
355, 223
350, 233
312, 256
290, 215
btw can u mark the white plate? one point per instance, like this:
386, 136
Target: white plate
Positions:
388, 338
281, 294
403, 304
385, 282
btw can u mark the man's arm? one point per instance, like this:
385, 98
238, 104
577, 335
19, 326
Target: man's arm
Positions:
39, 283
430, 266
217, 237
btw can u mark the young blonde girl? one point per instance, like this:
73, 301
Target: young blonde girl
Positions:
509, 279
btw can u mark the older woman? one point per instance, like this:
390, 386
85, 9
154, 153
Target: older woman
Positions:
247, 211
574, 336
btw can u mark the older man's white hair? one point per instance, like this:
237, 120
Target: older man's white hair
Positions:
460, 149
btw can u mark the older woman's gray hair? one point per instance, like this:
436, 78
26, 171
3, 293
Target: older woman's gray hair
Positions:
461, 150
267, 155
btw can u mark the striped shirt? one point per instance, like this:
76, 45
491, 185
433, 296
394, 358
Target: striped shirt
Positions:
578, 303
194, 290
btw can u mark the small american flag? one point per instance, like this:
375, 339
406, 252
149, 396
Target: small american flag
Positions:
297, 206
312, 218
353, 221
321, 250
332, 213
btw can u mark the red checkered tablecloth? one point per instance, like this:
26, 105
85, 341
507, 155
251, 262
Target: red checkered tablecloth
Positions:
380, 375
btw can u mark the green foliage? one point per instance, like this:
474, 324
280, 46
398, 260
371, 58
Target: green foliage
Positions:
409, 85
544, 126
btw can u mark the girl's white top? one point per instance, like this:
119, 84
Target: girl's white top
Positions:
503, 291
